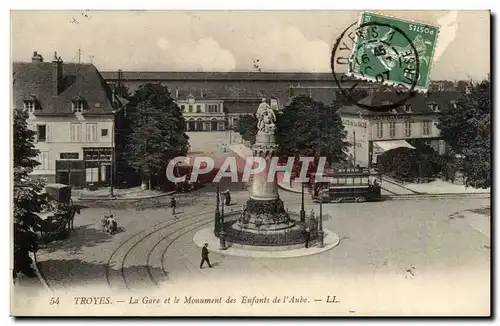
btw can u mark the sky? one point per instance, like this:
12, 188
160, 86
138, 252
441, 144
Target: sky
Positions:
291, 41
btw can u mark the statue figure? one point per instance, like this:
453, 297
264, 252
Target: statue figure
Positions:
266, 117
312, 216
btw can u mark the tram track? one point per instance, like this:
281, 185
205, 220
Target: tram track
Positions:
163, 225
122, 252
148, 266
191, 226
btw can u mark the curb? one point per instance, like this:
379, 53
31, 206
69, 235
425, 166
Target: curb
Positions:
438, 196
419, 195
39, 274
290, 189
391, 181
123, 198
206, 235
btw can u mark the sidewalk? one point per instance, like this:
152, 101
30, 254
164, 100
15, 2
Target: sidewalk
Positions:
241, 150
293, 186
439, 186
129, 193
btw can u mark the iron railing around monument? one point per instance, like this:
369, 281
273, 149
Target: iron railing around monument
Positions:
288, 237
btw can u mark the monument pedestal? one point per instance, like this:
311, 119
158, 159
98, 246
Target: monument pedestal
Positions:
264, 221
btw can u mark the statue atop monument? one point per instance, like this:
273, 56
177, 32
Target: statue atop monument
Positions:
266, 117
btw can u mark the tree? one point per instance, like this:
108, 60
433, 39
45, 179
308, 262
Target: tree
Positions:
28, 200
307, 127
247, 128
405, 164
158, 131
466, 127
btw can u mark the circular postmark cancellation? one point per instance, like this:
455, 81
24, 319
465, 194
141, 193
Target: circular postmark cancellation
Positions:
376, 52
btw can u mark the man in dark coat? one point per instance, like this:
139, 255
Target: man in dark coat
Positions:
204, 256
173, 202
307, 236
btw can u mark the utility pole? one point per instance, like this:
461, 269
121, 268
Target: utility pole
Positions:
321, 233
112, 174
354, 135
79, 55
112, 177
222, 232
217, 212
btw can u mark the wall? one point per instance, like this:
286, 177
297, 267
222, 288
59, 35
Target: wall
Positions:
362, 128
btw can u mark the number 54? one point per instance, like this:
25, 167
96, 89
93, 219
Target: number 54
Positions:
54, 301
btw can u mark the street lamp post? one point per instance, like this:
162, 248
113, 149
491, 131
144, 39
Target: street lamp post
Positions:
113, 159
217, 213
321, 233
302, 211
354, 135
222, 233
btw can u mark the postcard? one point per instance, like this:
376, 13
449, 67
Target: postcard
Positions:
251, 163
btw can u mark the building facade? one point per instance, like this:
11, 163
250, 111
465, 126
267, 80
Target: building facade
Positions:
72, 110
202, 113
372, 133
204, 110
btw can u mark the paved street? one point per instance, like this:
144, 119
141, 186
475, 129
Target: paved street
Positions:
153, 247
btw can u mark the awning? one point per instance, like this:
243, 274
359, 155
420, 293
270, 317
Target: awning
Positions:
384, 146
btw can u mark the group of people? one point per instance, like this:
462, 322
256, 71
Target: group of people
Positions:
109, 224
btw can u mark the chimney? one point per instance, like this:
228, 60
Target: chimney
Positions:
201, 93
37, 57
57, 74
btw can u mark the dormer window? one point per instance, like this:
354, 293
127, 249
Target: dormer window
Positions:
78, 104
78, 107
407, 108
30, 104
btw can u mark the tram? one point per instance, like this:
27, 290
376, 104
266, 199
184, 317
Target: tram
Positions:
347, 185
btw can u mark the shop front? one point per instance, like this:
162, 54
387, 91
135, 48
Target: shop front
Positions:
98, 166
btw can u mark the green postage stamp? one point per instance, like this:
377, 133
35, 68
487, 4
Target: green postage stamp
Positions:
393, 51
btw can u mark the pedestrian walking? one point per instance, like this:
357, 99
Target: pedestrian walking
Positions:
307, 236
173, 203
204, 256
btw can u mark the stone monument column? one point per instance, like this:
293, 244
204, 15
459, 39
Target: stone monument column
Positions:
264, 210
264, 148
